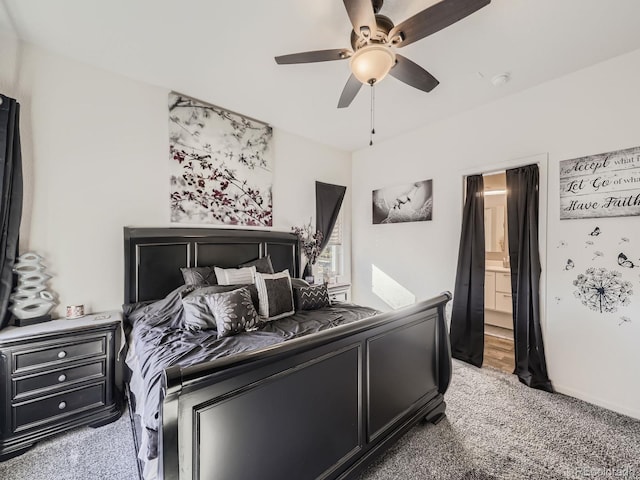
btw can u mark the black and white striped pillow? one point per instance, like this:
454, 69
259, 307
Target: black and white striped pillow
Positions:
275, 295
235, 276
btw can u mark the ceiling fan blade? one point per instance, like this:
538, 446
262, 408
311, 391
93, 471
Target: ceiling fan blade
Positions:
361, 15
413, 74
350, 91
435, 18
316, 56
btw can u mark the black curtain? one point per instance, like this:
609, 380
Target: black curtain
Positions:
524, 255
11, 196
328, 202
467, 316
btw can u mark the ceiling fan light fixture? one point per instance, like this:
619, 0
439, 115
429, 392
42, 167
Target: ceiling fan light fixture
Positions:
372, 63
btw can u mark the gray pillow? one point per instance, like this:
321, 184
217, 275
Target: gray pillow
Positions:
199, 276
262, 264
275, 295
233, 311
197, 315
200, 314
299, 283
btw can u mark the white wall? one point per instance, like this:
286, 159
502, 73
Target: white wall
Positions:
9, 48
595, 110
100, 162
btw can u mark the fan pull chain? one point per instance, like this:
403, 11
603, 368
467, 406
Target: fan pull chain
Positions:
373, 113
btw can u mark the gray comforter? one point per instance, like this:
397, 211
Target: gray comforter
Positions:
160, 342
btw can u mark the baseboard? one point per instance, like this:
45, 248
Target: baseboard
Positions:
630, 412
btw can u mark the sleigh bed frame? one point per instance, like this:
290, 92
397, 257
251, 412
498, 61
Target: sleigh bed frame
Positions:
318, 407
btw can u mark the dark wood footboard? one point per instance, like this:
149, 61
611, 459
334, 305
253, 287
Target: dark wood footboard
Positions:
321, 406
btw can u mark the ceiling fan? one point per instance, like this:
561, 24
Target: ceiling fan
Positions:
374, 39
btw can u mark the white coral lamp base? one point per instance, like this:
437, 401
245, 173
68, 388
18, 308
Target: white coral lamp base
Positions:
31, 299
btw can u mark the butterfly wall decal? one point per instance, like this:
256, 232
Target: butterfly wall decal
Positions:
596, 232
597, 254
588, 243
623, 261
624, 320
569, 264
623, 240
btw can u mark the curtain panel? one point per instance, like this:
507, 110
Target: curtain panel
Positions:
328, 202
11, 198
524, 255
467, 316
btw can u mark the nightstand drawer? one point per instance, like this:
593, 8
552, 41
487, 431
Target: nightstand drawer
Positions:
338, 297
56, 406
339, 292
59, 377
64, 351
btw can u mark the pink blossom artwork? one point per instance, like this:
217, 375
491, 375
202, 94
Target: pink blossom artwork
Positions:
220, 165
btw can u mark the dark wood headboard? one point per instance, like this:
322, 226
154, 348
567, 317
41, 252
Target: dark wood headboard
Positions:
153, 256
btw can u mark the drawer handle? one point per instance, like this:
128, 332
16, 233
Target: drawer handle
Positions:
62, 405
62, 354
505, 295
62, 378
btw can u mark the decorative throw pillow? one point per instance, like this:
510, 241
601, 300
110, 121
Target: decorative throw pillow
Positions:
233, 311
262, 264
235, 276
199, 276
275, 295
312, 297
216, 307
197, 315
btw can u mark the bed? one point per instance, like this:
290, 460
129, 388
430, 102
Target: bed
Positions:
317, 395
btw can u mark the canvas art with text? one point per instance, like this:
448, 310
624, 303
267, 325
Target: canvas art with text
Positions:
411, 202
604, 185
220, 165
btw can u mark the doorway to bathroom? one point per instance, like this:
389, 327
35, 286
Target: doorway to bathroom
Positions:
521, 233
498, 303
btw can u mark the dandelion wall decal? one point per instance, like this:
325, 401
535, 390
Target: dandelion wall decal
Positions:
602, 290
624, 320
561, 244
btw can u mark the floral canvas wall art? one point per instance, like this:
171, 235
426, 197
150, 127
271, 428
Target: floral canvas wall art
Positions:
411, 202
220, 165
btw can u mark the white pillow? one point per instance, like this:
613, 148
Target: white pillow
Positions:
275, 295
235, 276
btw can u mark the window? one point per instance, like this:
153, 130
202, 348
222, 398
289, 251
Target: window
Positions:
330, 261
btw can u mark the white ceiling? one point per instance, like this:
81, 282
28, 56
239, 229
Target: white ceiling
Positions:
222, 52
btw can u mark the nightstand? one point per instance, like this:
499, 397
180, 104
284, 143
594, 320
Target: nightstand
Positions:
339, 292
56, 376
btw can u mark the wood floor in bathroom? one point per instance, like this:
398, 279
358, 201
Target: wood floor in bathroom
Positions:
499, 353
